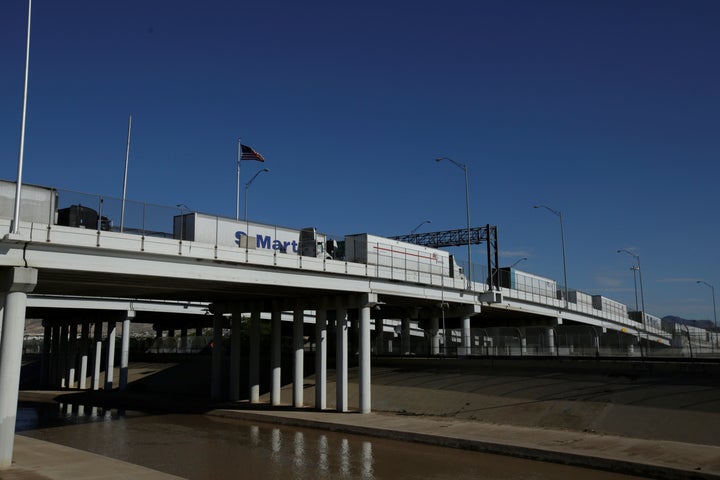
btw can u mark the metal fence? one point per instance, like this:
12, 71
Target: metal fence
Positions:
563, 340
134, 217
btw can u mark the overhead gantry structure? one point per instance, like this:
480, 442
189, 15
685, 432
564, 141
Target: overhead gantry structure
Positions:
459, 238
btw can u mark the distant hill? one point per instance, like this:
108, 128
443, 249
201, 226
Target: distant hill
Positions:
706, 324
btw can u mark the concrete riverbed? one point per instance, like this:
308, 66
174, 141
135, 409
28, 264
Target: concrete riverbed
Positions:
653, 420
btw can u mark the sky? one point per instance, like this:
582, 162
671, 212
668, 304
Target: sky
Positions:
604, 111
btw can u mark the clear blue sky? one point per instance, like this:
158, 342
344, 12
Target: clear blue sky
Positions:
607, 111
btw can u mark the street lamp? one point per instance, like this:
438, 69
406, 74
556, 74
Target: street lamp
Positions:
421, 224
635, 269
464, 168
639, 270
714, 310
562, 238
247, 186
642, 293
518, 261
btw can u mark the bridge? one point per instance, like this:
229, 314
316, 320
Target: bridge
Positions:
117, 276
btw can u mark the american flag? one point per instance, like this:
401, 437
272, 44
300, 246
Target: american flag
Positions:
249, 154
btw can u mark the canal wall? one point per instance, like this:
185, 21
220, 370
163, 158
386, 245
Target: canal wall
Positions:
674, 401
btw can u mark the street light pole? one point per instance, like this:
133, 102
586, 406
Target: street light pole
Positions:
464, 168
562, 238
518, 261
15, 225
714, 310
639, 269
247, 186
635, 270
642, 293
421, 224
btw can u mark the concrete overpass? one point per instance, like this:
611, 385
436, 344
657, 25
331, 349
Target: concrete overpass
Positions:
66, 264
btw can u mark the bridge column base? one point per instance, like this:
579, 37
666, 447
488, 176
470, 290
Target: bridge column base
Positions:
16, 282
321, 356
341, 362
276, 355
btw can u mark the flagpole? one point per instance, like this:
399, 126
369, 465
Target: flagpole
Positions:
15, 226
237, 198
127, 159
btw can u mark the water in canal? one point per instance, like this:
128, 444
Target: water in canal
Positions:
206, 447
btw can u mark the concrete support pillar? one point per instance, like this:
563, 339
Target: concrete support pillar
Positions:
235, 351
321, 356
435, 335
97, 356
62, 355
216, 376
110, 359
84, 342
405, 336
299, 355
364, 358
54, 374
45, 358
597, 345
125, 350
254, 360
184, 344
341, 361
276, 355
466, 338
379, 336
523, 345
551, 340
72, 355
2, 309
16, 283
331, 333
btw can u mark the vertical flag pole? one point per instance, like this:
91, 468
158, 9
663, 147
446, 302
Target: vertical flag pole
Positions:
15, 228
237, 198
127, 159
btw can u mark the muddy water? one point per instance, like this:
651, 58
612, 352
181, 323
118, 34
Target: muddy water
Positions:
203, 447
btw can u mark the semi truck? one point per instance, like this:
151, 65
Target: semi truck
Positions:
39, 204
385, 252
199, 227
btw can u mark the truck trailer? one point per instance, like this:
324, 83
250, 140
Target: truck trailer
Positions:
227, 232
37, 204
385, 252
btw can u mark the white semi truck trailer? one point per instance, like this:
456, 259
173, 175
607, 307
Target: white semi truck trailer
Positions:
385, 252
199, 227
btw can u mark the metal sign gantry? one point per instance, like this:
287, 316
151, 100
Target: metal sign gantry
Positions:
458, 238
